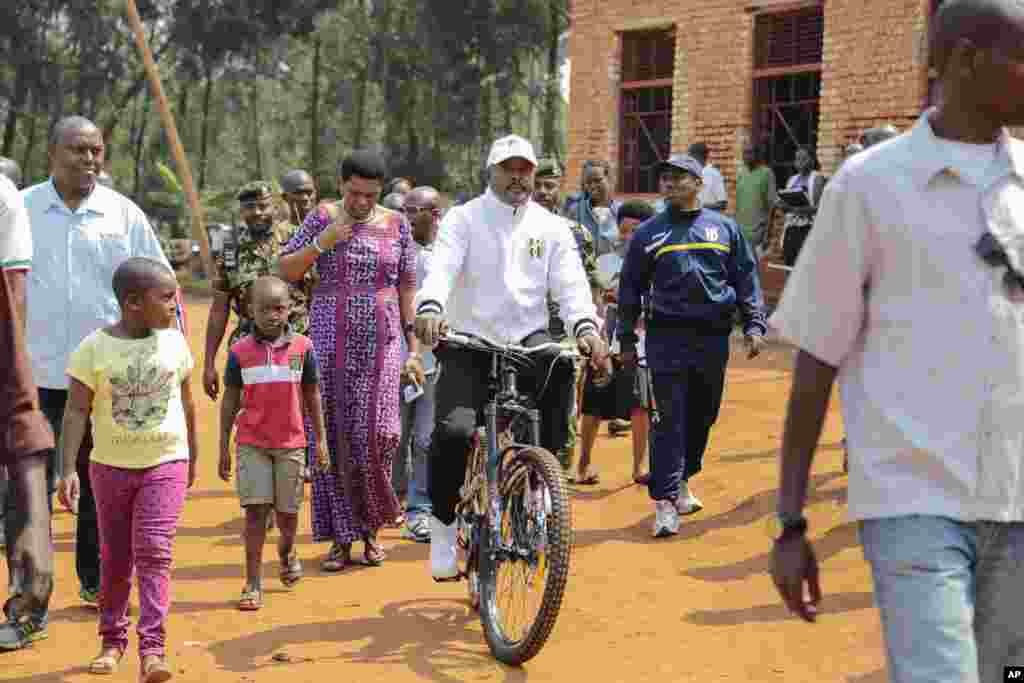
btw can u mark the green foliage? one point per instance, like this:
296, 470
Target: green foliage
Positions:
429, 83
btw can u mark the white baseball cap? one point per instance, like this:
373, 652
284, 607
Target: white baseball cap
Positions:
511, 146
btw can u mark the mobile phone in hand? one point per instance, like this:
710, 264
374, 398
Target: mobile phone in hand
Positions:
412, 392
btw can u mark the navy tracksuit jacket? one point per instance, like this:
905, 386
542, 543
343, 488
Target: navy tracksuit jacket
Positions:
688, 272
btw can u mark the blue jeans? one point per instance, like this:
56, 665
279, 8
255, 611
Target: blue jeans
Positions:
951, 596
417, 428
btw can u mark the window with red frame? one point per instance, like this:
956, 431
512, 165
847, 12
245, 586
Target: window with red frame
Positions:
788, 48
648, 65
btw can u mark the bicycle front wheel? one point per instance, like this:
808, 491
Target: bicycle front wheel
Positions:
524, 564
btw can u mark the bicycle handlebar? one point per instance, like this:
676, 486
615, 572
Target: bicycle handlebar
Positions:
473, 342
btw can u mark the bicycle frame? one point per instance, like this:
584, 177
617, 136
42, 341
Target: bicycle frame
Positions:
504, 398
495, 529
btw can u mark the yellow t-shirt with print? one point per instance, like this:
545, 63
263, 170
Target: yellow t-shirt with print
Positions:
138, 419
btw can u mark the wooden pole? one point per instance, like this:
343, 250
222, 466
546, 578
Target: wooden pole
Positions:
171, 129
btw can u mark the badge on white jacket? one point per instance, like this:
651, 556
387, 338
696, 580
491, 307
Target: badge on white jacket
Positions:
536, 247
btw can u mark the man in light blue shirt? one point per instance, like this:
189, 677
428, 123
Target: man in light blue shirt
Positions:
421, 207
595, 208
81, 232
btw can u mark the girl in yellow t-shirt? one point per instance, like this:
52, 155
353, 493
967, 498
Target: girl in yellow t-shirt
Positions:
133, 380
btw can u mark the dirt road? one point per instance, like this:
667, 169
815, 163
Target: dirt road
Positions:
699, 607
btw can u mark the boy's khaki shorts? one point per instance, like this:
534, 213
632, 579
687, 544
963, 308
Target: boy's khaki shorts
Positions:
271, 476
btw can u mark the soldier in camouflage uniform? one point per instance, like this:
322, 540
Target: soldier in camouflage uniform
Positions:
299, 192
249, 253
547, 193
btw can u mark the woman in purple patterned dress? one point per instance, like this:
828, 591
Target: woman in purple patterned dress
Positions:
366, 260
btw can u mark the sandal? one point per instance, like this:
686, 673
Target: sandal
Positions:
339, 557
251, 600
374, 554
291, 570
156, 671
106, 662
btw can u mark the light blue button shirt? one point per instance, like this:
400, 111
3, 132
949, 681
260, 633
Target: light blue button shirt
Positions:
75, 254
423, 255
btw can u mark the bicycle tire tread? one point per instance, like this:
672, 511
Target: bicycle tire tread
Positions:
559, 553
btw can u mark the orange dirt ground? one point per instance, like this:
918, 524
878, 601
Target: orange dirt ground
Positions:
698, 607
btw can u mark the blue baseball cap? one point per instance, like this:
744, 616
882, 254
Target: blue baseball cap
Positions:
684, 162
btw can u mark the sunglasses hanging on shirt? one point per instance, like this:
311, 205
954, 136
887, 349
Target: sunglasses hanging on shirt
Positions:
993, 254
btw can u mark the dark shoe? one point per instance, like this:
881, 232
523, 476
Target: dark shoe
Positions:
339, 557
90, 597
17, 634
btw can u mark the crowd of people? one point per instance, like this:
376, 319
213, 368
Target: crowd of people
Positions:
334, 376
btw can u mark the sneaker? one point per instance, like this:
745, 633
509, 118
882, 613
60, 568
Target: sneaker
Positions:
444, 565
666, 519
687, 503
416, 529
16, 634
90, 597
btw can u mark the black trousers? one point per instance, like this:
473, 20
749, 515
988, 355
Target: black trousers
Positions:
460, 397
793, 242
87, 534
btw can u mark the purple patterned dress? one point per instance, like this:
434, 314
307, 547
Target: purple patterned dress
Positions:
355, 325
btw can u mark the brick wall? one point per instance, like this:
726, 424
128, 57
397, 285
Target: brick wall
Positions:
873, 73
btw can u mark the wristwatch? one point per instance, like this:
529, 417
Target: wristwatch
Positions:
782, 526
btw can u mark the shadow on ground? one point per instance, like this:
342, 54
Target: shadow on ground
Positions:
66, 676
748, 512
776, 611
436, 639
771, 453
835, 540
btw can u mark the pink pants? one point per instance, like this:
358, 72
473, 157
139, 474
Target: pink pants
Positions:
138, 513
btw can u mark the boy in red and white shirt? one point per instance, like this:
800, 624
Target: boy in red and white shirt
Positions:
270, 380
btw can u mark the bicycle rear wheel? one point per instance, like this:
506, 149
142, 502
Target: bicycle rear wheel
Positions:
524, 564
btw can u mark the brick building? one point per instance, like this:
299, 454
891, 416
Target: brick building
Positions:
655, 76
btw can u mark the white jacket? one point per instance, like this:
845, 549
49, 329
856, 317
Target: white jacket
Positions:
505, 260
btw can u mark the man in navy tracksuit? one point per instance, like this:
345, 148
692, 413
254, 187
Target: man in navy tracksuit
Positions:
687, 269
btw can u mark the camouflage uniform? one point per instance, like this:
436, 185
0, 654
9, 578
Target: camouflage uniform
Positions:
246, 257
556, 326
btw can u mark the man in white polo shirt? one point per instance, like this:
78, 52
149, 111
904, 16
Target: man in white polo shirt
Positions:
713, 194
26, 441
15, 257
910, 289
81, 232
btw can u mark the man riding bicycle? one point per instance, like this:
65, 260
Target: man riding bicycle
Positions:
495, 261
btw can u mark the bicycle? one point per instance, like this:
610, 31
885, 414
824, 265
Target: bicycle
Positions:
514, 517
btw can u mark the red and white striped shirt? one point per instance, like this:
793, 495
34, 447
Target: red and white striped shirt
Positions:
271, 374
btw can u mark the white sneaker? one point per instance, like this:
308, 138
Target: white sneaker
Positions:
443, 559
666, 519
687, 503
